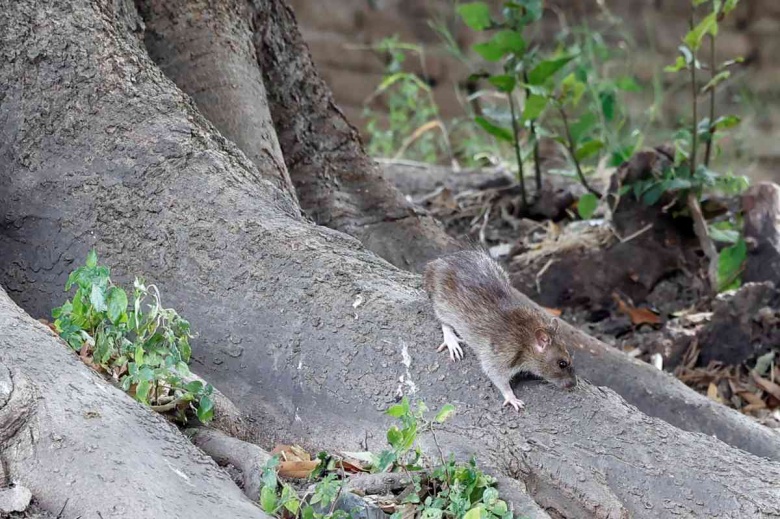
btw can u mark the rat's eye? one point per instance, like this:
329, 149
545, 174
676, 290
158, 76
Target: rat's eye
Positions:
563, 364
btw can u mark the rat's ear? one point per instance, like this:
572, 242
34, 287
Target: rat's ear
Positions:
543, 340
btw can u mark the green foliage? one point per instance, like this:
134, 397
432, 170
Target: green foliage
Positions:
690, 177
567, 96
412, 127
141, 344
587, 205
730, 265
452, 490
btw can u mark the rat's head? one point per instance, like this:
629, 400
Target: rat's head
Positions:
551, 359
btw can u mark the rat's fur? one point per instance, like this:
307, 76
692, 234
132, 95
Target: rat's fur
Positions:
471, 293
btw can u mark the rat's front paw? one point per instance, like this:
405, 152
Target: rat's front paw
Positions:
451, 342
514, 402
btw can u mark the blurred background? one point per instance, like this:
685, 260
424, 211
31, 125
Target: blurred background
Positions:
403, 73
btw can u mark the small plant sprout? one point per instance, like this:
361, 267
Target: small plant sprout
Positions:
144, 348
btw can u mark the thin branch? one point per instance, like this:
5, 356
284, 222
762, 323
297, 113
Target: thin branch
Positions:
518, 155
708, 150
535, 137
573, 153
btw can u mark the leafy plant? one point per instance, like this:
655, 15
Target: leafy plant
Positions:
279, 499
440, 489
412, 127
145, 350
691, 175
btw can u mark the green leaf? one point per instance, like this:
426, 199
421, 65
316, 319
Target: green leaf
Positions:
588, 149
678, 65
386, 460
504, 83
676, 184
534, 106
723, 234
725, 122
97, 299
116, 304
715, 81
490, 496
489, 51
628, 84
582, 126
398, 410
205, 409
708, 25
474, 513
494, 130
476, 15
394, 437
730, 261
653, 194
572, 89
587, 205
92, 258
729, 6
444, 413
142, 390
268, 499
547, 68
608, 100
510, 42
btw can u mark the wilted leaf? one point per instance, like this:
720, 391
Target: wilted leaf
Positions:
638, 316
297, 469
764, 363
712, 393
767, 385
555, 312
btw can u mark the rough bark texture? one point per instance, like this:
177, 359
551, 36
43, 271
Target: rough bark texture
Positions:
337, 183
205, 46
761, 207
310, 334
211, 56
86, 448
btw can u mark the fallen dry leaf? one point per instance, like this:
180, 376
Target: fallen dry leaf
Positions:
638, 316
291, 453
297, 469
767, 385
751, 398
555, 312
712, 393
753, 407
351, 466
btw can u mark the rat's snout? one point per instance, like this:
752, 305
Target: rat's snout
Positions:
569, 383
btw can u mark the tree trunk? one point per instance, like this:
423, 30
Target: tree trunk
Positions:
761, 207
86, 448
310, 334
338, 185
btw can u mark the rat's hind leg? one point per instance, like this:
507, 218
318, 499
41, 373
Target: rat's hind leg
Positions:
451, 342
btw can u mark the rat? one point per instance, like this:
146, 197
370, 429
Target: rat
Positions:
476, 304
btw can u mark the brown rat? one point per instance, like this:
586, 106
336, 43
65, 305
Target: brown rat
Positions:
472, 295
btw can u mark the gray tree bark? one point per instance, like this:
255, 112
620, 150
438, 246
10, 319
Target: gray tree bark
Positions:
309, 333
86, 448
